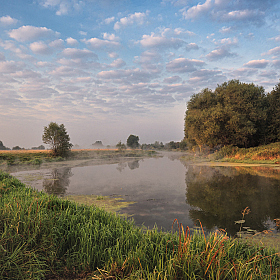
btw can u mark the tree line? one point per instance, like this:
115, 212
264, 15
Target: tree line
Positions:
235, 113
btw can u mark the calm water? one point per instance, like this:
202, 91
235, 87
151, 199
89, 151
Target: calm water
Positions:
166, 189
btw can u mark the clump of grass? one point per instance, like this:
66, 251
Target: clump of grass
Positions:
45, 237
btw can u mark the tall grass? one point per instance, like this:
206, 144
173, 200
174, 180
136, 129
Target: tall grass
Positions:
43, 237
261, 154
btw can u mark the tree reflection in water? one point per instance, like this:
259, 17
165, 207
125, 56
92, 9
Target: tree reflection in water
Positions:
58, 182
218, 195
133, 164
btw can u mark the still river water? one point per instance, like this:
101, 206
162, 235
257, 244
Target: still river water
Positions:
165, 189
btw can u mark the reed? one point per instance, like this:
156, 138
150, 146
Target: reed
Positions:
45, 237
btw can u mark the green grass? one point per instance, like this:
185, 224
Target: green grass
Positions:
34, 157
45, 237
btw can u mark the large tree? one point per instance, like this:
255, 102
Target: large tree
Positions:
57, 137
132, 141
273, 115
233, 114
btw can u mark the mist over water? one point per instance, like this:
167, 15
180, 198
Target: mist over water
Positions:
166, 189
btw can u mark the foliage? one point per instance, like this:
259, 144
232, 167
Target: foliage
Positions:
41, 147
153, 146
2, 147
56, 136
45, 237
17, 148
172, 145
132, 141
234, 114
273, 115
121, 146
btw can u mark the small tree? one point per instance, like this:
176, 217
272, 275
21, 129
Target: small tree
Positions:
121, 146
132, 141
56, 136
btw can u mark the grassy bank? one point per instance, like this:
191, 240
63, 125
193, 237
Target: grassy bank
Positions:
261, 154
37, 157
44, 237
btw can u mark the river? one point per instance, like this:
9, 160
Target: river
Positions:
167, 188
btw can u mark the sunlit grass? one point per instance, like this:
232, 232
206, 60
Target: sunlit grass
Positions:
261, 154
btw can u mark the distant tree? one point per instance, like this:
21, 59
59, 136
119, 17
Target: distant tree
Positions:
172, 145
121, 146
2, 147
56, 136
18, 148
132, 141
97, 144
41, 147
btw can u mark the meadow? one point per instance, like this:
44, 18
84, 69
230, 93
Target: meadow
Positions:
45, 237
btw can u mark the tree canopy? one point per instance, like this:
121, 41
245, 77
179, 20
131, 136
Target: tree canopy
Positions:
234, 113
57, 137
132, 141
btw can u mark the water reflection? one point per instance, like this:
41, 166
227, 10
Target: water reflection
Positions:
58, 181
131, 164
164, 189
218, 195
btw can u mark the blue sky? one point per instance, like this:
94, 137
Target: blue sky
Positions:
108, 69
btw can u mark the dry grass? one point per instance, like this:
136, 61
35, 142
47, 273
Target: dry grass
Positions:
24, 151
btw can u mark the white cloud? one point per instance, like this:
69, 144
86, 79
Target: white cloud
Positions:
40, 48
58, 44
192, 46
113, 55
63, 7
72, 42
109, 20
10, 66
124, 76
2, 57
83, 33
219, 53
29, 33
7, 20
77, 53
96, 43
229, 41
172, 80
197, 10
260, 63
274, 51
225, 29
183, 65
118, 63
243, 15
110, 37
136, 18
158, 41
177, 32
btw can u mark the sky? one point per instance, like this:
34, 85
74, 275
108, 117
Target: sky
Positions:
107, 69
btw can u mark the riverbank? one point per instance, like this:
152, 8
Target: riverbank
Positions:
12, 161
45, 237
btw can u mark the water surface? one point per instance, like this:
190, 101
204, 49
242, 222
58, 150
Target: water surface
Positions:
165, 190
